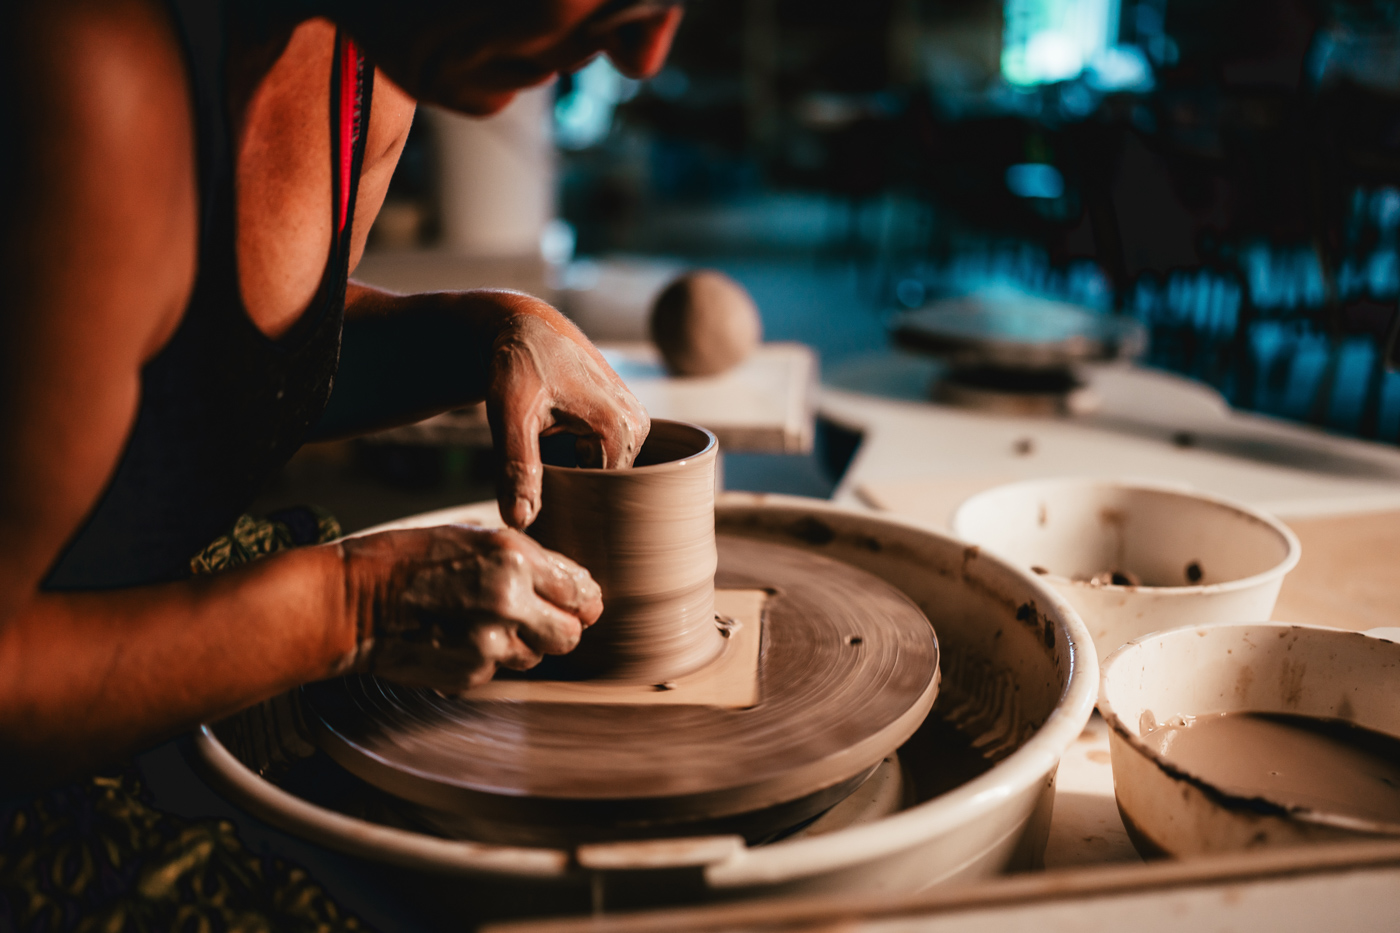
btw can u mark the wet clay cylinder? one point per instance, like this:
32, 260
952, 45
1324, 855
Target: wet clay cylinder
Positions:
647, 534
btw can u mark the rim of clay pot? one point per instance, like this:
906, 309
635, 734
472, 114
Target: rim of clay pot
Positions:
1257, 804
1290, 559
710, 447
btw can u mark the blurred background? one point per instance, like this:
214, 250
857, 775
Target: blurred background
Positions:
1226, 172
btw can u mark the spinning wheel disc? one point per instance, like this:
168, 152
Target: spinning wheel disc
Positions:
848, 670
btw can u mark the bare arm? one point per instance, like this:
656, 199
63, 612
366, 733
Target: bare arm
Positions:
406, 357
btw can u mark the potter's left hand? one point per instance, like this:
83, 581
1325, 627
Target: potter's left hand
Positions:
443, 607
546, 378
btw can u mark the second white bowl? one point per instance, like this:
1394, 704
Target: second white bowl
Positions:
1240, 667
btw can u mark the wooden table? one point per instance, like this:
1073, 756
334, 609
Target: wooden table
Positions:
1349, 574
1352, 887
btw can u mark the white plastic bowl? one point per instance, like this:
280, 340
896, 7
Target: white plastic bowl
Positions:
1199, 558
1262, 667
1016, 673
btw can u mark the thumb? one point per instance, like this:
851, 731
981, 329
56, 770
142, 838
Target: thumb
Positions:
514, 416
518, 487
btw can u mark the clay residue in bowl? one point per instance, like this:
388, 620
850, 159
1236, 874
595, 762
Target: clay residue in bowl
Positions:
1111, 578
1327, 766
1193, 575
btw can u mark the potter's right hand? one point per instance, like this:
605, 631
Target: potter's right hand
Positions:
546, 378
444, 607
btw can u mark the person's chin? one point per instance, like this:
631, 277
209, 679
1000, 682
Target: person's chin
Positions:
484, 105
485, 91
474, 102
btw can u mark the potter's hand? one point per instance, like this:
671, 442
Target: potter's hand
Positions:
444, 607
546, 378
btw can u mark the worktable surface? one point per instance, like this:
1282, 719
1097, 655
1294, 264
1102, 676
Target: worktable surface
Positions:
920, 460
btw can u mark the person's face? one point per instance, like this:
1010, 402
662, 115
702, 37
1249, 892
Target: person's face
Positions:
474, 56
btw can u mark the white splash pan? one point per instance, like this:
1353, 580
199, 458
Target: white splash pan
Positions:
1018, 671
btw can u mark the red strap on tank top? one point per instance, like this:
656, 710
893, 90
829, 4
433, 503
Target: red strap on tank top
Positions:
351, 65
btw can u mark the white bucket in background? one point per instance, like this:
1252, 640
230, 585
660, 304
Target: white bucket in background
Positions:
496, 176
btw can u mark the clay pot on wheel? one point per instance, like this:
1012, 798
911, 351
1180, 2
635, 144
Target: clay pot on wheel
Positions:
647, 534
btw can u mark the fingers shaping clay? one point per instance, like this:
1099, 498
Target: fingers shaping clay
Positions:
704, 323
647, 535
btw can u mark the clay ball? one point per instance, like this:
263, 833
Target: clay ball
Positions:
704, 323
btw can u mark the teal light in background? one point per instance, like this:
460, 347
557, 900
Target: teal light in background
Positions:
584, 116
1035, 180
1046, 41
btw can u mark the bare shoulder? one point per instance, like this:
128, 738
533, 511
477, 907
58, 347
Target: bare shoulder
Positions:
98, 222
105, 163
109, 67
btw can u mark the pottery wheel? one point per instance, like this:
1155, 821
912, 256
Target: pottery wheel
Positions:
848, 670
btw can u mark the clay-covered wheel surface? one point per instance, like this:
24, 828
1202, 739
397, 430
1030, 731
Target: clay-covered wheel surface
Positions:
848, 670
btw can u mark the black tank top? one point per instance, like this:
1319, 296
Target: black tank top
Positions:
222, 405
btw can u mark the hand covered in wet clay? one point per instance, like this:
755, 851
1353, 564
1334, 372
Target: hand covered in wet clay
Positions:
444, 607
546, 378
